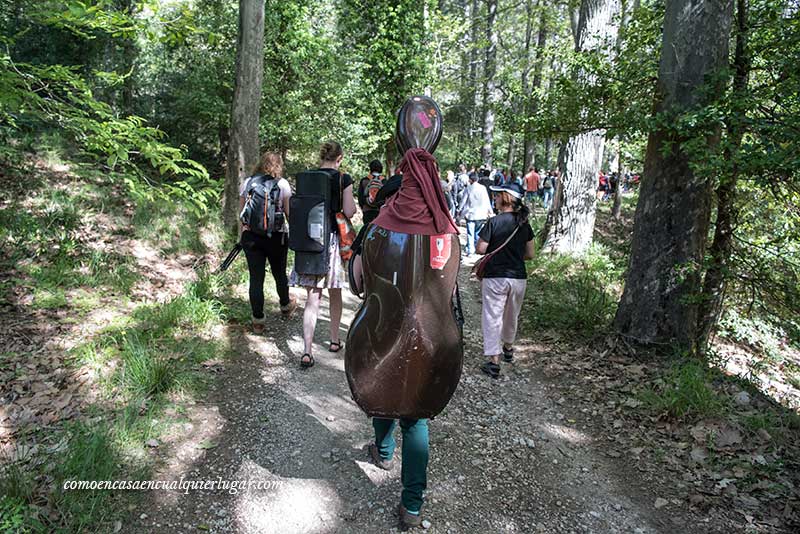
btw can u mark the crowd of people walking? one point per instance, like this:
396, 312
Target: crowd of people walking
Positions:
493, 206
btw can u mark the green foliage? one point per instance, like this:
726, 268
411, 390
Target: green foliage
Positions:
92, 454
18, 516
758, 334
168, 225
685, 392
387, 64
61, 96
575, 295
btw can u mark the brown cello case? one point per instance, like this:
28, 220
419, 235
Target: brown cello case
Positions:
404, 350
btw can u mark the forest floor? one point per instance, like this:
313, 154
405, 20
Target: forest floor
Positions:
576, 436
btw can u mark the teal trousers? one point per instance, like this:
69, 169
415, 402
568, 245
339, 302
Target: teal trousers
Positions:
414, 470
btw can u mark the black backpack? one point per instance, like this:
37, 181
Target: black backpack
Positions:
261, 210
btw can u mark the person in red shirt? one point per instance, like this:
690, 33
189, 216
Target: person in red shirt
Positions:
531, 184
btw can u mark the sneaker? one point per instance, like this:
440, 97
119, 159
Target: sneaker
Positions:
377, 460
408, 520
289, 308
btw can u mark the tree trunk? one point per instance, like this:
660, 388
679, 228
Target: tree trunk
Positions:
570, 228
541, 42
727, 214
243, 147
512, 152
625, 18
390, 157
489, 82
616, 211
659, 303
548, 151
466, 94
473, 72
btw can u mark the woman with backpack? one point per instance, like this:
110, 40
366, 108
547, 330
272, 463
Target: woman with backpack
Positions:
507, 239
266, 193
334, 280
548, 187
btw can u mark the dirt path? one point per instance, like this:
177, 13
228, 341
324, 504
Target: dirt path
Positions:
512, 455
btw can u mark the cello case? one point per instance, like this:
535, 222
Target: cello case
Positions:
404, 352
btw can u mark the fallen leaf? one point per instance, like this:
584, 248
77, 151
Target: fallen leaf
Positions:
62, 401
727, 436
633, 403
700, 432
699, 454
207, 444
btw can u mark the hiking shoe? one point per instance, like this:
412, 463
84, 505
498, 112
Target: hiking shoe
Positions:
259, 325
508, 354
408, 520
491, 369
290, 307
377, 460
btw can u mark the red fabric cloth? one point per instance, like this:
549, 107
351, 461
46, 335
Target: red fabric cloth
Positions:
419, 206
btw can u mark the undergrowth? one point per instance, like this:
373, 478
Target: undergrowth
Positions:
571, 294
145, 360
685, 392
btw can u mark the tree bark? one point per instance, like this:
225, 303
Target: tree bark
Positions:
489, 87
659, 303
390, 157
727, 213
243, 147
571, 226
472, 79
512, 152
548, 150
616, 211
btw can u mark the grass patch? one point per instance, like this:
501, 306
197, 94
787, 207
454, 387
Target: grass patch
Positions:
578, 295
145, 370
46, 298
685, 392
157, 219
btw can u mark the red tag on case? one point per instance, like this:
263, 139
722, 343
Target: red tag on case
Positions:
440, 250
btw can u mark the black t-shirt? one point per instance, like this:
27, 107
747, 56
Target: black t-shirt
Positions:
336, 193
509, 262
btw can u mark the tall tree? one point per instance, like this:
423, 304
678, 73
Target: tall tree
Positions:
659, 303
725, 193
472, 79
570, 226
531, 90
243, 145
489, 82
616, 211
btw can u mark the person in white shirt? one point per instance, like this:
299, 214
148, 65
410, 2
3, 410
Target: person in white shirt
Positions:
476, 208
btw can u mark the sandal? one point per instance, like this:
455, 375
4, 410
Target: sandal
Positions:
306, 363
338, 345
508, 354
491, 369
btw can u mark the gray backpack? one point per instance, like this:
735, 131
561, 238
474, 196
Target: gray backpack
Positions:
261, 210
